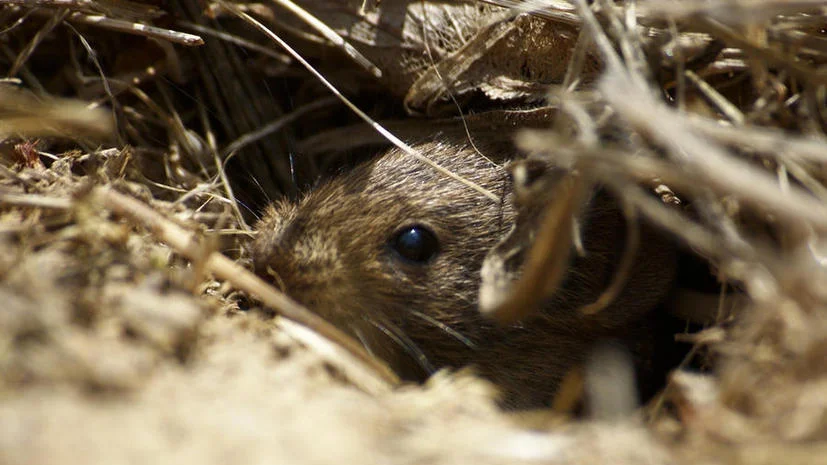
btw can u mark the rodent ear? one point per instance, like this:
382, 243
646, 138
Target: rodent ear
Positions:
546, 199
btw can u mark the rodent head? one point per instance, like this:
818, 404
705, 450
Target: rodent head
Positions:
391, 252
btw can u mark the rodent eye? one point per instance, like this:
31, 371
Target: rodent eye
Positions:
415, 243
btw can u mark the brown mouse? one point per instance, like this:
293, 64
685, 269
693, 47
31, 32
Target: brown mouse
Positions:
391, 252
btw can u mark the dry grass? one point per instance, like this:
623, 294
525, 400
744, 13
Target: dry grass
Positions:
128, 332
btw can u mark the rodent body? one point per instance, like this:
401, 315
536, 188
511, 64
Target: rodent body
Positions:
352, 250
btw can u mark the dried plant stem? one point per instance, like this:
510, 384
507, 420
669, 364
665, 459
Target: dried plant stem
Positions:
769, 141
328, 33
547, 261
128, 27
721, 103
34, 201
364, 370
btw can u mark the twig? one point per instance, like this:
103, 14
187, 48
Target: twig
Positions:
128, 27
328, 33
35, 200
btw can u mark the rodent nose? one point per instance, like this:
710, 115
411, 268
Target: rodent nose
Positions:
304, 277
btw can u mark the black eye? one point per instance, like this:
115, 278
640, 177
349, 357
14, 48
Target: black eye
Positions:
415, 243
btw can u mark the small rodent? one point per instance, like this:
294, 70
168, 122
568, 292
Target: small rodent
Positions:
391, 253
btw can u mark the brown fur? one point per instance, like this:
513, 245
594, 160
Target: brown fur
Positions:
330, 252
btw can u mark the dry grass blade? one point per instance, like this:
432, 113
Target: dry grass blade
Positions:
120, 16
23, 114
550, 9
721, 103
331, 35
769, 141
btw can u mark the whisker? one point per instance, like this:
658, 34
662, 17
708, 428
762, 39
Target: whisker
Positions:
276, 279
403, 341
447, 329
359, 335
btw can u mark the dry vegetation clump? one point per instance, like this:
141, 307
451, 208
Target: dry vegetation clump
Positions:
138, 140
